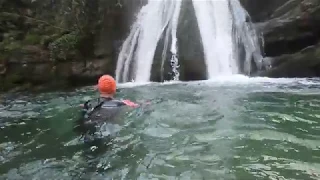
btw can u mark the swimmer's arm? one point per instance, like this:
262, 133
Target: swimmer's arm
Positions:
130, 103
133, 104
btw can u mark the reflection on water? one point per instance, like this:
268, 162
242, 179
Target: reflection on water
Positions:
199, 130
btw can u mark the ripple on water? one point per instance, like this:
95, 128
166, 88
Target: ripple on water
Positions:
202, 130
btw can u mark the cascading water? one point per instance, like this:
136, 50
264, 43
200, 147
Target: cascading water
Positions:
245, 35
228, 39
174, 51
139, 48
215, 24
172, 28
223, 36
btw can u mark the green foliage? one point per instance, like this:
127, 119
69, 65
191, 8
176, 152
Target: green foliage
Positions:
61, 47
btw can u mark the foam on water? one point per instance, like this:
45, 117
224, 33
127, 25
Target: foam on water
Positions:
242, 79
133, 84
232, 80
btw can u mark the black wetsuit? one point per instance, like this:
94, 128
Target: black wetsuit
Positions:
101, 115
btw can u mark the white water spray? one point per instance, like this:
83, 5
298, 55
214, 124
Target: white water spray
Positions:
139, 48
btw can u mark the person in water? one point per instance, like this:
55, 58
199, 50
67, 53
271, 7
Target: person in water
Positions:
103, 113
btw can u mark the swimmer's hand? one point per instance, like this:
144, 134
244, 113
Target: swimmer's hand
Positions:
130, 103
135, 105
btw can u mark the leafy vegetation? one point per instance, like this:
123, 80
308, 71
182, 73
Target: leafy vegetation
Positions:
54, 32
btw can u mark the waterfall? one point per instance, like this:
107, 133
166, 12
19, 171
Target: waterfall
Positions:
172, 27
230, 42
246, 36
215, 24
225, 30
139, 48
174, 51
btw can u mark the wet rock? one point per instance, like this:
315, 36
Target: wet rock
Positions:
294, 26
305, 63
261, 11
291, 30
191, 56
86, 73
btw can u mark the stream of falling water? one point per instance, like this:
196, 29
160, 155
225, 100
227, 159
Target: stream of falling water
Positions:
215, 24
139, 47
228, 39
245, 34
174, 50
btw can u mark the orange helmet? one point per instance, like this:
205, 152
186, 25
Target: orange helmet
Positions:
107, 85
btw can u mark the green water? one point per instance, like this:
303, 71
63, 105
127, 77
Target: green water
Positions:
264, 129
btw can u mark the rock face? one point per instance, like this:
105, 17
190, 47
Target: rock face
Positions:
261, 11
305, 63
61, 42
289, 27
190, 45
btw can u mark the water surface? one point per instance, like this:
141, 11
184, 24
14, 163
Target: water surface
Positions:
236, 128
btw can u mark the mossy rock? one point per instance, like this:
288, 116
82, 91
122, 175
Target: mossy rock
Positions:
8, 47
64, 47
47, 39
5, 16
32, 39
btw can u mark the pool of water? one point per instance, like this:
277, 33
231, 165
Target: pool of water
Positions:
234, 128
